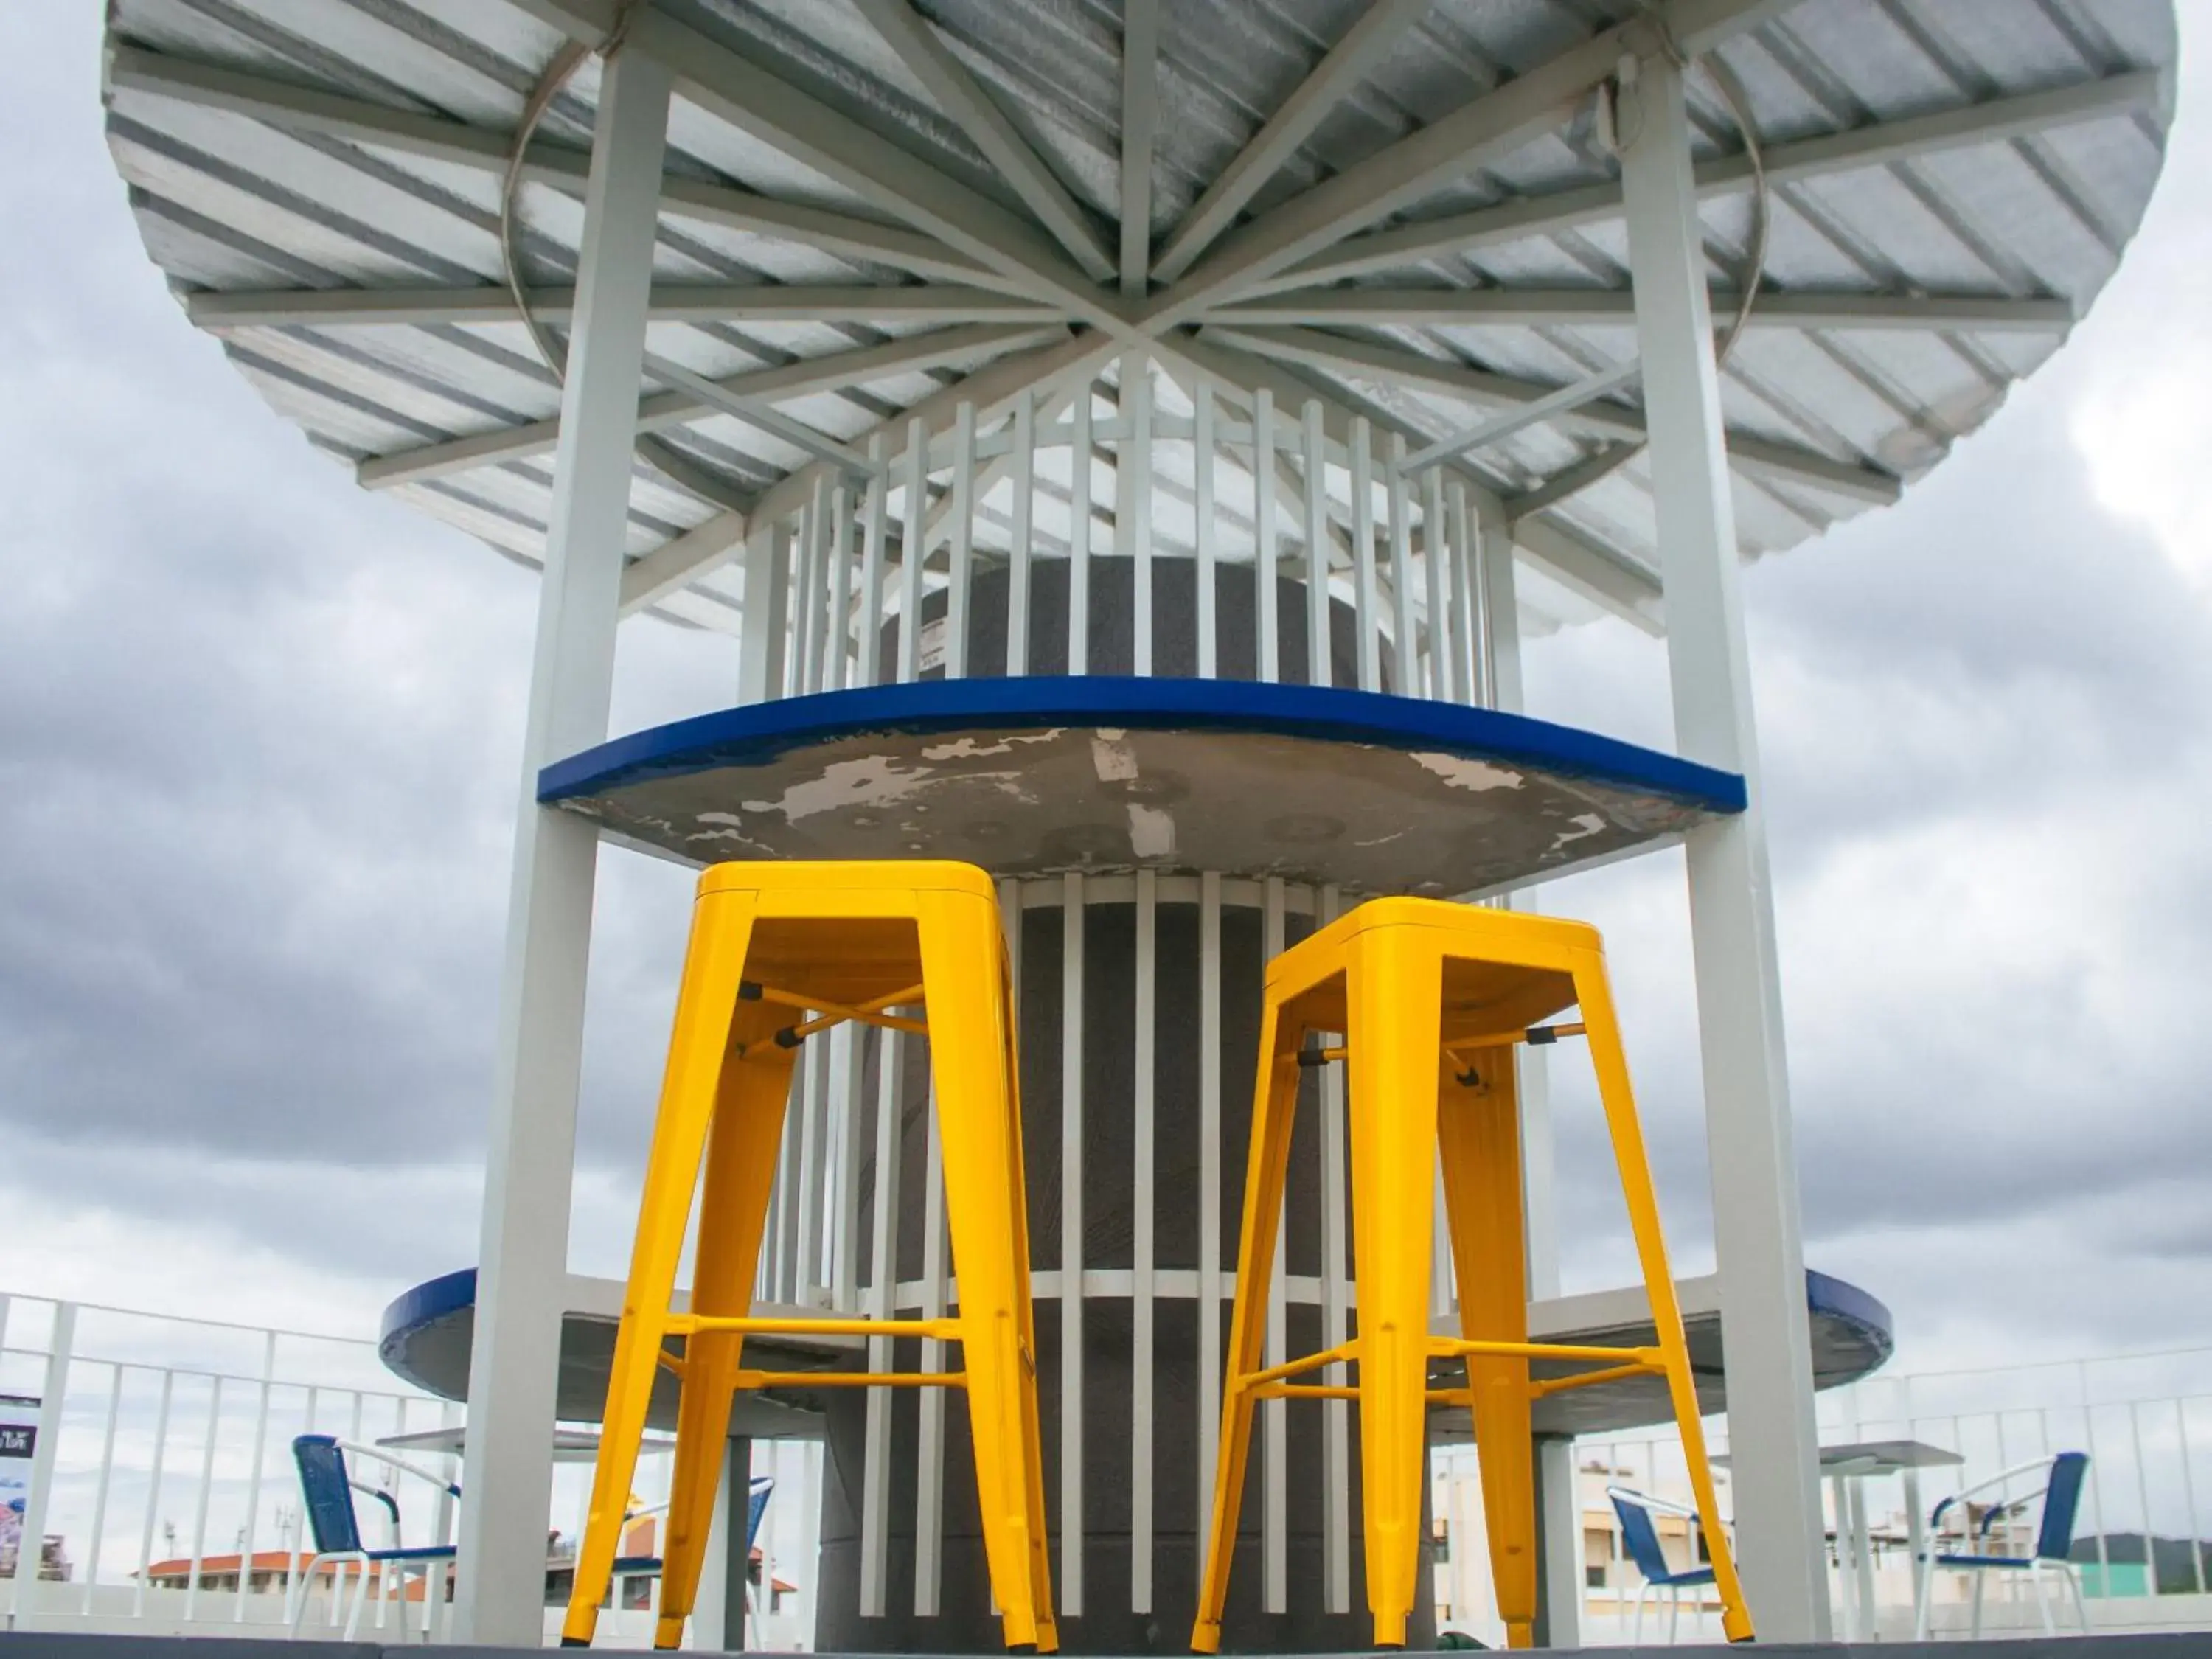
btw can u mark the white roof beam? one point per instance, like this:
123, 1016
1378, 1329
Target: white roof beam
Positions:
759, 99
299, 109
686, 302
1371, 360
1599, 307
1993, 121
1364, 45
1494, 125
957, 94
834, 373
1600, 464
756, 412
1140, 122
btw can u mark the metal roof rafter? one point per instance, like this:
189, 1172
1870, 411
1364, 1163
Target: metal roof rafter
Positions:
1494, 124
959, 95
1364, 45
1335, 355
760, 99
834, 373
286, 107
1878, 144
672, 302
1602, 308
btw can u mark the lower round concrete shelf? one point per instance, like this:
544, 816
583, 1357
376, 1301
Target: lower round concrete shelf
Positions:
1045, 775
426, 1332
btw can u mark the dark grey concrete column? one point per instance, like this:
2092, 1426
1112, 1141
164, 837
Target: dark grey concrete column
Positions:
1181, 1489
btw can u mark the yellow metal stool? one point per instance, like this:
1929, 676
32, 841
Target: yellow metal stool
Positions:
778, 952
1432, 999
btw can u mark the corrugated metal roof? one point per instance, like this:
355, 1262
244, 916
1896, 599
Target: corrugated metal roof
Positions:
1924, 152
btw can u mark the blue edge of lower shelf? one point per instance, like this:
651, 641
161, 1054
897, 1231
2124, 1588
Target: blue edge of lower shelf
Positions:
759, 733
434, 1299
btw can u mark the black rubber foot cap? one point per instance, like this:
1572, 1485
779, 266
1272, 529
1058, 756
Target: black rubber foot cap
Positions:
576, 1642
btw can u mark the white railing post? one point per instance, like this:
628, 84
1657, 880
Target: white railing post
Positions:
523, 1273
30, 1551
1753, 1165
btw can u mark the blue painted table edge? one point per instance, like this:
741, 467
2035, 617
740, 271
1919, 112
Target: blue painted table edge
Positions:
759, 733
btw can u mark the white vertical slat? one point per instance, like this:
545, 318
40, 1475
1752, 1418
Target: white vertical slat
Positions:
812, 567
813, 1154
1274, 1529
1318, 652
1470, 631
883, 1302
841, 588
108, 1469
1367, 617
1071, 1248
1336, 1421
929, 1449
796, 536
765, 1275
1020, 552
1202, 464
53, 1395
1078, 534
845, 1081
1143, 1107
153, 1485
1407, 655
1443, 681
963, 552
200, 1505
1209, 1194
1264, 566
789, 1193
253, 1478
1137, 464
910, 549
873, 536
765, 629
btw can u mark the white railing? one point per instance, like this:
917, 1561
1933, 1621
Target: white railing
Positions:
167, 1443
2145, 1421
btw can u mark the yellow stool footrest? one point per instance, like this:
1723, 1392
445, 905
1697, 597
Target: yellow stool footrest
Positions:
745, 1379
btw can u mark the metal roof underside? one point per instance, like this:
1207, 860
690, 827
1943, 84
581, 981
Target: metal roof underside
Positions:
1336, 196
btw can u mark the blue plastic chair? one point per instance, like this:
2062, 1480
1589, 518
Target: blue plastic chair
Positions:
756, 1496
1641, 1538
1959, 1545
326, 1489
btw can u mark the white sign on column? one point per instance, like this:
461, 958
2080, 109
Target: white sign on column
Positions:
1755, 1172
522, 1279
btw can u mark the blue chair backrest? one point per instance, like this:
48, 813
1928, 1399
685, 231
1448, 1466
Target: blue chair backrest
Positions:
1641, 1537
756, 1505
2054, 1540
328, 1499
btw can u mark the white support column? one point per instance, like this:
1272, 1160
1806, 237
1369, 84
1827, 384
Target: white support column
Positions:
1754, 1174
523, 1276
1559, 1520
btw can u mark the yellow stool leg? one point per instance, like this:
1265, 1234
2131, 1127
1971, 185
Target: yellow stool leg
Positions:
1479, 1133
1611, 1064
961, 946
1275, 1106
1026, 1320
1394, 986
721, 929
741, 1159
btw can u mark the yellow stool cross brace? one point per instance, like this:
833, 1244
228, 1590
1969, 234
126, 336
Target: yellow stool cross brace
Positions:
770, 944
1433, 998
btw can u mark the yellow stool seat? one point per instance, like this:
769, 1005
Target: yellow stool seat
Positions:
1432, 1000
779, 952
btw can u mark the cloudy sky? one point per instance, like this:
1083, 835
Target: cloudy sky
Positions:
259, 762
